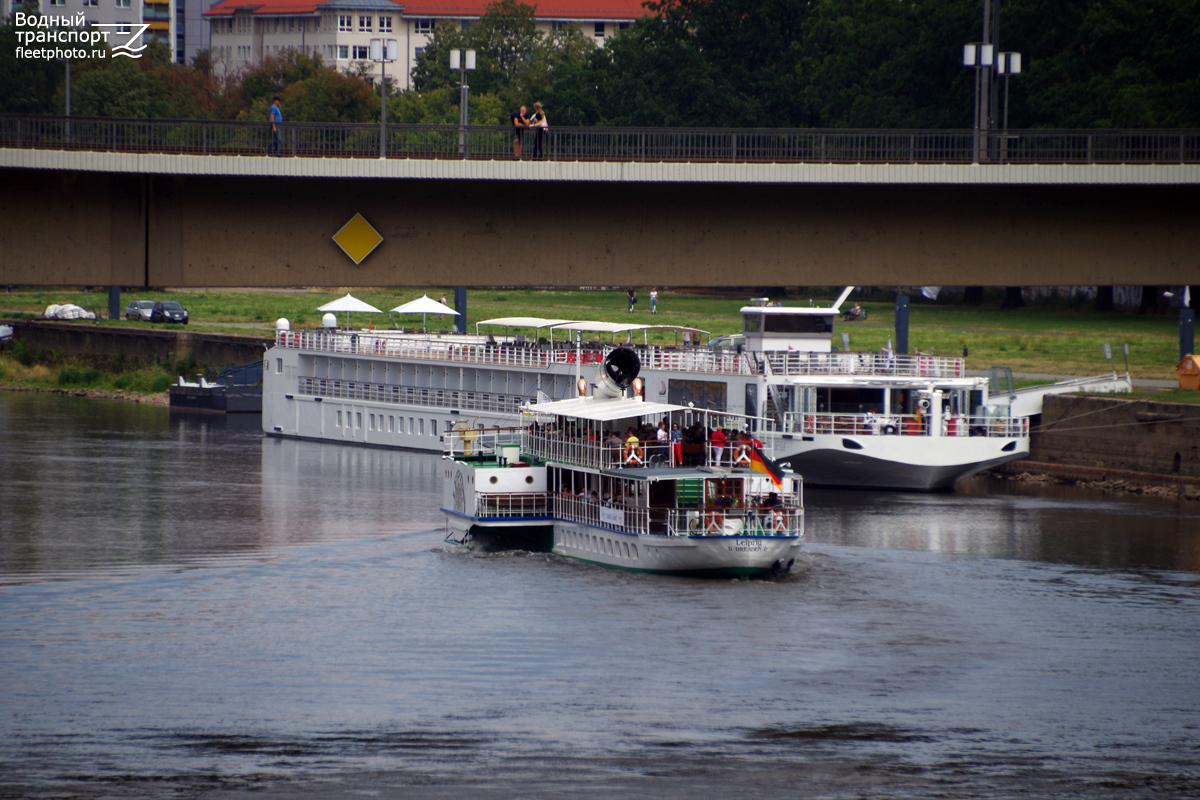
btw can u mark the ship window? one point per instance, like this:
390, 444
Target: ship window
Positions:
797, 323
529, 479
422, 426
279, 366
752, 323
433, 427
701, 394
371, 422
358, 419
412, 428
493, 479
391, 424
339, 420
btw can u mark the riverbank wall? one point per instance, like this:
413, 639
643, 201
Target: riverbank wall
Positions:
1114, 442
158, 345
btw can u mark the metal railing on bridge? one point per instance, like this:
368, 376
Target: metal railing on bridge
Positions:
681, 145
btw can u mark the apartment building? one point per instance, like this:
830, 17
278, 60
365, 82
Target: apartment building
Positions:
243, 32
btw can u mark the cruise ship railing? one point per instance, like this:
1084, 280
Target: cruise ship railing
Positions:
468, 349
607, 144
699, 359
512, 504
906, 365
904, 425
782, 520
615, 516
409, 395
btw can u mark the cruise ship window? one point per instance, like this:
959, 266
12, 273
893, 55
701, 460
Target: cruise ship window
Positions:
433, 427
358, 419
279, 366
339, 420
422, 425
412, 428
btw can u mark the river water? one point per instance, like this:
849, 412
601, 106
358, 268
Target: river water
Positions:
190, 609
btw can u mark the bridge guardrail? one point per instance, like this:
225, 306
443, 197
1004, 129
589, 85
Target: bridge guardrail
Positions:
682, 145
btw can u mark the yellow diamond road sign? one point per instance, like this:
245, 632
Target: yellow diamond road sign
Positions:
357, 238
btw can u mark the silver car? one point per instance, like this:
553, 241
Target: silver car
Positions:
139, 309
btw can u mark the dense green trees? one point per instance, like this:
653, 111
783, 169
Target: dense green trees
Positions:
732, 63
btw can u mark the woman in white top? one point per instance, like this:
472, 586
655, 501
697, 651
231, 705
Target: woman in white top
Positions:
538, 121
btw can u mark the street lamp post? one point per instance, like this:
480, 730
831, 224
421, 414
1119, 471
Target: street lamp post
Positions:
383, 52
462, 60
1007, 64
978, 56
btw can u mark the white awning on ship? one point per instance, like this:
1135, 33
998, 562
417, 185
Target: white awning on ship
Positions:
602, 410
521, 322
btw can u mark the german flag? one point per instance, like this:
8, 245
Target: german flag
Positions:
760, 463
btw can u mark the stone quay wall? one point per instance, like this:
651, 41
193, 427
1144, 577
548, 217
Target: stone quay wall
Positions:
159, 345
1084, 437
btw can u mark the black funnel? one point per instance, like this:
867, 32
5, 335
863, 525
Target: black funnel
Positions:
622, 366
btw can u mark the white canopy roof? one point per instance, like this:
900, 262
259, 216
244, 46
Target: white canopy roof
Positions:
522, 322
348, 303
589, 408
601, 327
422, 305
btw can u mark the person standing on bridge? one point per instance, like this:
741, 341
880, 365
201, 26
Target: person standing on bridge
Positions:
520, 121
539, 122
276, 117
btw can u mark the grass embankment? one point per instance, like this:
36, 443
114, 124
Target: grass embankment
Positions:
1051, 337
25, 368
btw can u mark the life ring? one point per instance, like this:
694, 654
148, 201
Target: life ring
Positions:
808, 424
780, 521
716, 522
890, 430
633, 454
741, 455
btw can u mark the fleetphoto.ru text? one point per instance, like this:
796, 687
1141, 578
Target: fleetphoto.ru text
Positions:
73, 37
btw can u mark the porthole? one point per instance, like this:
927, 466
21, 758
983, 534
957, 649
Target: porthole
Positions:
529, 479
493, 479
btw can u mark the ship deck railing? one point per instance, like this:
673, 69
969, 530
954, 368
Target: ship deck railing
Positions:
558, 448
883, 364
409, 395
469, 349
502, 505
615, 516
904, 425
502, 444
779, 520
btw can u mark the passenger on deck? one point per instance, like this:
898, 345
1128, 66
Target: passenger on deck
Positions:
633, 449
719, 441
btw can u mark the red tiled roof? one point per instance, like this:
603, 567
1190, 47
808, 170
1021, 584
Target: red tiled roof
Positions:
583, 10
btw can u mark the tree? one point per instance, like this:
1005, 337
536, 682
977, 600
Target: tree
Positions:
27, 86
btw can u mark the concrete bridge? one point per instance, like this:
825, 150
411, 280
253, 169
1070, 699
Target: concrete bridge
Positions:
138, 203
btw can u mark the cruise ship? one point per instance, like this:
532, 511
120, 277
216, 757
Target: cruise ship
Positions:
880, 420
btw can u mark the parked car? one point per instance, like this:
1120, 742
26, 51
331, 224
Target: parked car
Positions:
168, 311
139, 309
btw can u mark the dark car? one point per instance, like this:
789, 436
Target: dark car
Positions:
139, 309
169, 311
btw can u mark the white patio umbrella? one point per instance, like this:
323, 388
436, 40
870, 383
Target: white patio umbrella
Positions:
348, 304
424, 305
